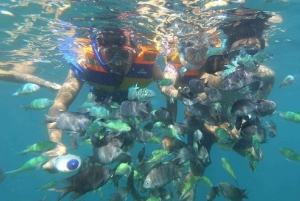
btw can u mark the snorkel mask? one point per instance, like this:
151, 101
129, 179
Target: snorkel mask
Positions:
192, 56
113, 50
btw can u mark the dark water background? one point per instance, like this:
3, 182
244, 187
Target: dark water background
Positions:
275, 178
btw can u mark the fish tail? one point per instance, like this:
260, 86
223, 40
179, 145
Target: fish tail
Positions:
16, 94
64, 191
22, 152
13, 172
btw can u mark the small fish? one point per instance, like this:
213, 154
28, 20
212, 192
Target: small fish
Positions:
290, 154
162, 175
2, 174
28, 88
135, 109
190, 184
140, 94
84, 181
206, 181
215, 64
272, 129
214, 95
231, 192
212, 194
31, 164
238, 80
5, 12
165, 82
123, 169
197, 86
162, 115
120, 195
39, 104
71, 121
290, 116
265, 107
141, 155
228, 168
288, 80
243, 107
98, 112
107, 154
39, 147
117, 126
158, 155
256, 146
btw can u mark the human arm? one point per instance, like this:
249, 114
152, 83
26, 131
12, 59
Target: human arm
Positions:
157, 73
63, 100
170, 73
268, 78
11, 76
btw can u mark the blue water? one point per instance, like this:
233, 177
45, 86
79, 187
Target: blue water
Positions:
275, 177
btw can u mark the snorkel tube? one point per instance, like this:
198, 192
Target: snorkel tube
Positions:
94, 47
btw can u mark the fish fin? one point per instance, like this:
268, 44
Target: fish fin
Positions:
76, 195
64, 191
13, 172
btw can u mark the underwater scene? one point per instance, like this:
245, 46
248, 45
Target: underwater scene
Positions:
149, 100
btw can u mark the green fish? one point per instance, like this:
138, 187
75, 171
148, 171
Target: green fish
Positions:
223, 135
123, 169
117, 126
39, 104
153, 199
158, 124
31, 165
190, 184
165, 82
155, 140
93, 128
170, 132
48, 186
256, 145
87, 104
291, 116
39, 147
290, 154
206, 181
157, 155
228, 168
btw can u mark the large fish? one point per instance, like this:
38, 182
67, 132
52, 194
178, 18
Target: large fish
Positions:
84, 181
39, 147
107, 154
140, 94
71, 121
231, 192
290, 116
31, 164
28, 88
238, 80
162, 174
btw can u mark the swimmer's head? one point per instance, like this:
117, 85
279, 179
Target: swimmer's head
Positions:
250, 45
192, 53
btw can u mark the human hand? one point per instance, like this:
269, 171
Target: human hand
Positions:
59, 150
170, 91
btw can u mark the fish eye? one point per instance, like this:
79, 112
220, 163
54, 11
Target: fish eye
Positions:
147, 183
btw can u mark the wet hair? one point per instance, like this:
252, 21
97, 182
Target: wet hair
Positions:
114, 37
247, 24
